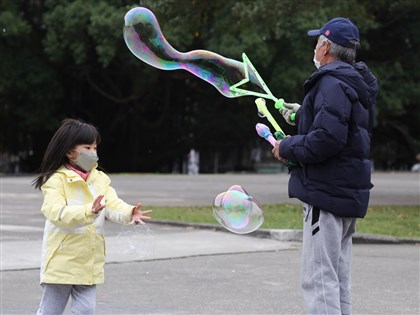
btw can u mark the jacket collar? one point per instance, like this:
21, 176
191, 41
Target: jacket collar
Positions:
347, 74
328, 68
73, 176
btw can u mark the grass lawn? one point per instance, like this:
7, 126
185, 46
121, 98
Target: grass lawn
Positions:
397, 221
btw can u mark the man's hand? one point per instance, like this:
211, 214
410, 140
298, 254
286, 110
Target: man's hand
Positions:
276, 149
288, 110
276, 153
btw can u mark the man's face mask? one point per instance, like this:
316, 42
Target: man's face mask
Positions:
316, 62
86, 160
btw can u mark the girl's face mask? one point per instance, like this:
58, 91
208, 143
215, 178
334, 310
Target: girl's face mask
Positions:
86, 160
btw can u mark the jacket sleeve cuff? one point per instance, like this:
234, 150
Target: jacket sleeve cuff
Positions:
89, 214
283, 147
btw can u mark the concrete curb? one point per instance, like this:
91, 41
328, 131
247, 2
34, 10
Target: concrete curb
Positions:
382, 239
288, 235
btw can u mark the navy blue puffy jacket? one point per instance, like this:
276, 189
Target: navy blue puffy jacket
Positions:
333, 140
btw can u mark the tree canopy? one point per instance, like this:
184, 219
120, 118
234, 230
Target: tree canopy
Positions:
67, 58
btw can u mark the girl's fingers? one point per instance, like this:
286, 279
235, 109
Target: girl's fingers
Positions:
98, 200
97, 206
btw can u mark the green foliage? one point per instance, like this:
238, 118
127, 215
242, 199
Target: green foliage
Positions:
13, 26
75, 64
28, 89
393, 57
86, 31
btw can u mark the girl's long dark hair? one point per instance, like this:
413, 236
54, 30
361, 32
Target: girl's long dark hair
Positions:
71, 133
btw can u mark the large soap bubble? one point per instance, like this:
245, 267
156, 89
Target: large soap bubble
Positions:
237, 211
145, 40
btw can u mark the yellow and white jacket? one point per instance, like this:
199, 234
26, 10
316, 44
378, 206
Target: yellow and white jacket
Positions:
73, 249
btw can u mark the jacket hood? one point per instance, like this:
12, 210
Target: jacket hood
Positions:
357, 76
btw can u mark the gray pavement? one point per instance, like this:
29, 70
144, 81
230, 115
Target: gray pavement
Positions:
206, 271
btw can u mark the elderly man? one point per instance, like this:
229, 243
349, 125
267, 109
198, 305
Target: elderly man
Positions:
332, 149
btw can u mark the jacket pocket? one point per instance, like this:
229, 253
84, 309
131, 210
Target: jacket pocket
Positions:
55, 242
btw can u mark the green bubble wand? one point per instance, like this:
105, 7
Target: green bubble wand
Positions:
260, 101
262, 109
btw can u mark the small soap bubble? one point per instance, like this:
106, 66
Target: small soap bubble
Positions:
137, 241
238, 211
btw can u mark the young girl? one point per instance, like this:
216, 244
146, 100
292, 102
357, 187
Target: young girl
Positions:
77, 199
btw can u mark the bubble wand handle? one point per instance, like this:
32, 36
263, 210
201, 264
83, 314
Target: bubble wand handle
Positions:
279, 104
263, 112
264, 132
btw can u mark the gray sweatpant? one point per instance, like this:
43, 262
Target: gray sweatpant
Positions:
326, 261
55, 297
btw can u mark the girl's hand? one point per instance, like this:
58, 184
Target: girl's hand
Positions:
97, 206
138, 216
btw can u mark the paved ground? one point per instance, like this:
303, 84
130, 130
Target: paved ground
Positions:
196, 271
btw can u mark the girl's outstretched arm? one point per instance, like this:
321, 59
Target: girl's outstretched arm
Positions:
138, 216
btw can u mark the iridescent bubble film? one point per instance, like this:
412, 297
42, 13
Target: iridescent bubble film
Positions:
136, 241
145, 40
237, 211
